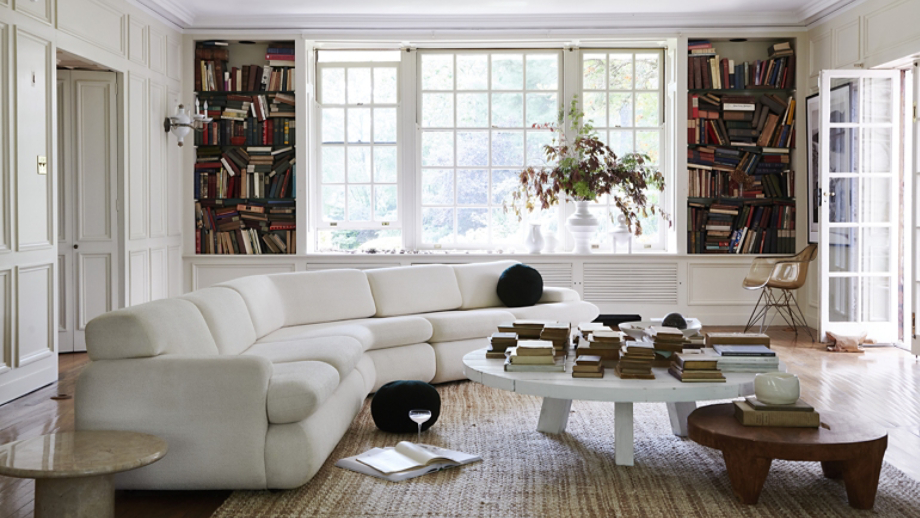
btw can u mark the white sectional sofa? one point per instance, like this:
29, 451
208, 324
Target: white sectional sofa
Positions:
254, 381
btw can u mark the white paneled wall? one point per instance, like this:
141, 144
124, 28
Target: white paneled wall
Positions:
144, 52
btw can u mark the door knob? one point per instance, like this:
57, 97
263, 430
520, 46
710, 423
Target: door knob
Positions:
76, 246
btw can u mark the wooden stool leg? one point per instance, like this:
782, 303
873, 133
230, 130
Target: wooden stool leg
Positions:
747, 475
861, 477
832, 469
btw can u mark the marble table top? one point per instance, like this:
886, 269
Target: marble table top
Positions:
79, 454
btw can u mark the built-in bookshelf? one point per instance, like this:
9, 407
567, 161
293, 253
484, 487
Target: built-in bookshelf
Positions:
244, 175
740, 140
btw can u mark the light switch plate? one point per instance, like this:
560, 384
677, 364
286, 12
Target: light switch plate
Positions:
42, 165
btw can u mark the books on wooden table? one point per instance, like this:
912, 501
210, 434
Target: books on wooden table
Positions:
693, 369
499, 343
796, 418
636, 363
737, 339
586, 328
743, 350
523, 328
406, 460
533, 348
609, 353
726, 364
668, 339
557, 365
534, 355
557, 333
588, 366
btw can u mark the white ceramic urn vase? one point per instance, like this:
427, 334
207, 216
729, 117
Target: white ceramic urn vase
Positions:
776, 388
533, 239
582, 225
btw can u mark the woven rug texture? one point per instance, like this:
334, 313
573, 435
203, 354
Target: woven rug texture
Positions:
527, 473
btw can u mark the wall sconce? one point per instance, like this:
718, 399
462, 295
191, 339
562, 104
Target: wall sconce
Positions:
181, 123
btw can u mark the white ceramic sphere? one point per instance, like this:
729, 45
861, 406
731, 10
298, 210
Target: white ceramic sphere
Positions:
776, 388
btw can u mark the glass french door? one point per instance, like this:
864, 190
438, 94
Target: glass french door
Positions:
860, 209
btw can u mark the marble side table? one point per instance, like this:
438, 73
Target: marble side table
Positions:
73, 470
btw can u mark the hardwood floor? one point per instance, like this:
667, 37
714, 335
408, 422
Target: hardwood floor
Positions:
880, 385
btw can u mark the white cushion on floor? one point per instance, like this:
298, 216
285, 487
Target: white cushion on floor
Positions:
342, 352
325, 296
449, 326
297, 389
415, 289
227, 316
373, 333
478, 283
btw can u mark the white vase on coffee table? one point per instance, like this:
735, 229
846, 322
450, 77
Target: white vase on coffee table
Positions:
582, 225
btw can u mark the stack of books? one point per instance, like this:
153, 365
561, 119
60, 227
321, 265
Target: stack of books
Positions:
523, 328
558, 333
637, 362
669, 339
588, 366
696, 369
605, 344
737, 339
585, 329
534, 356
746, 358
751, 412
499, 343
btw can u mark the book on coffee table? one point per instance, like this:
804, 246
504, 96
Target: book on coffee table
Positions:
406, 460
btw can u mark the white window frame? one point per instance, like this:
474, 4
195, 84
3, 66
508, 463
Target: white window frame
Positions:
319, 224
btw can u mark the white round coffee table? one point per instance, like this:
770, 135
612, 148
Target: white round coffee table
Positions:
558, 389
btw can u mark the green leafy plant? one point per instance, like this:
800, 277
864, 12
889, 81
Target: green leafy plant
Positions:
584, 169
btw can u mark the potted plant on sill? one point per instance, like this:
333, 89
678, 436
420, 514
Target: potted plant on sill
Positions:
582, 170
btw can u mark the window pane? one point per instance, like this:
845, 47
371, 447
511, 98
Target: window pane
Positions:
437, 225
385, 85
437, 187
503, 183
333, 164
385, 164
541, 109
472, 72
621, 72
473, 187
507, 72
621, 142
359, 202
595, 107
437, 110
437, 148
621, 110
472, 225
649, 143
385, 197
647, 109
359, 125
333, 86
333, 125
647, 71
536, 147
595, 71
473, 110
473, 148
507, 110
359, 164
333, 240
542, 72
333, 202
508, 148
384, 125
505, 226
359, 85
437, 71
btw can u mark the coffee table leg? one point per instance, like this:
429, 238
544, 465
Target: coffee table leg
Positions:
82, 497
554, 415
747, 475
678, 413
623, 433
861, 475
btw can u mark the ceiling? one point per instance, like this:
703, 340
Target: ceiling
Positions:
491, 14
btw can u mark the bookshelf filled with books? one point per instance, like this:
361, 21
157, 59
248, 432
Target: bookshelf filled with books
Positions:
245, 158
740, 146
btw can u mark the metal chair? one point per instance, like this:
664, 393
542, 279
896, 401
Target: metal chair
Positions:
784, 274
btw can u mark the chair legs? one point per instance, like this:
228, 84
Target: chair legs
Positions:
786, 306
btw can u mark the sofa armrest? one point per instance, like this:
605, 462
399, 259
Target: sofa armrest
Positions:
558, 295
211, 410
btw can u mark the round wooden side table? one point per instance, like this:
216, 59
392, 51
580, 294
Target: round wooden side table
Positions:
73, 470
847, 449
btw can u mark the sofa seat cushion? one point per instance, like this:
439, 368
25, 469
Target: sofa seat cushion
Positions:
297, 389
414, 289
341, 352
574, 312
324, 296
373, 333
551, 294
449, 326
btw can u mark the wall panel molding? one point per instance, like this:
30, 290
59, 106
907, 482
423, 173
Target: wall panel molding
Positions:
90, 268
159, 273
41, 10
157, 168
94, 95
174, 58
138, 112
138, 277
36, 326
95, 22
6, 142
137, 41
6, 312
846, 44
156, 50
892, 25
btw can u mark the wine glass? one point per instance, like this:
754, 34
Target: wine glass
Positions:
420, 416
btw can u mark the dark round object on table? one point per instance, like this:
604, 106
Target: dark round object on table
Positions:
392, 402
520, 285
674, 320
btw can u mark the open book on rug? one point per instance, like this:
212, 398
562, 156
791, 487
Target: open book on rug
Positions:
406, 460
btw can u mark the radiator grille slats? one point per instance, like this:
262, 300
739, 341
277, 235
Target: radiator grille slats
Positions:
556, 275
630, 283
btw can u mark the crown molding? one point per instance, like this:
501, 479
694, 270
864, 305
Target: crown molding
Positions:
818, 10
170, 10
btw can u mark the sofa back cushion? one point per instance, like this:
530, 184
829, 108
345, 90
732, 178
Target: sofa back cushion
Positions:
266, 308
167, 326
324, 296
414, 289
227, 317
477, 282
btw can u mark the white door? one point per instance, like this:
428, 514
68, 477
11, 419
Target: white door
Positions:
913, 219
860, 213
88, 235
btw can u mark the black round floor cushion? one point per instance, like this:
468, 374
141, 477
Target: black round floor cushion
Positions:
392, 402
520, 285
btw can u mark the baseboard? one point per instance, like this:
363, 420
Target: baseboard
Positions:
28, 379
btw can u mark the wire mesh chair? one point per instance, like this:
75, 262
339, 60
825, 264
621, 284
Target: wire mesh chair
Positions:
784, 274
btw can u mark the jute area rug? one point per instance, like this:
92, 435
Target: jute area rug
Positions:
528, 473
